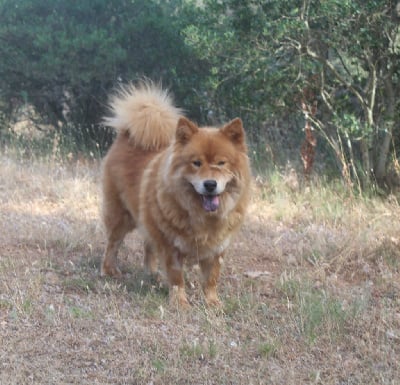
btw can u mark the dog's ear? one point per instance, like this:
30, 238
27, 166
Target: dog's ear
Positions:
235, 132
185, 130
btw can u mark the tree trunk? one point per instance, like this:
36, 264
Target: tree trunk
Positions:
366, 163
380, 171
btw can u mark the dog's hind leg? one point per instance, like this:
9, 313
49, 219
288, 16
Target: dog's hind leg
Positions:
118, 223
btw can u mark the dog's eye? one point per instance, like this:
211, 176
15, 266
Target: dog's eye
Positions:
221, 163
196, 163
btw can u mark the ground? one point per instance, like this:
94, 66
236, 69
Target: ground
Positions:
310, 290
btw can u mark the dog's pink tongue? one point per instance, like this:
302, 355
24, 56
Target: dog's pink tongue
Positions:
210, 202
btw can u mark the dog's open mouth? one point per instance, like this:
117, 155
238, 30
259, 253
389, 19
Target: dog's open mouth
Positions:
210, 202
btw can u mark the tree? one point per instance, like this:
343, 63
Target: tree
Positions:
266, 55
357, 45
333, 63
63, 57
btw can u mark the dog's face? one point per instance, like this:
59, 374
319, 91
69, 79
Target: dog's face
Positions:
210, 162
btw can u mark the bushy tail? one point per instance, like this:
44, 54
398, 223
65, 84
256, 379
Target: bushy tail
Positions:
146, 112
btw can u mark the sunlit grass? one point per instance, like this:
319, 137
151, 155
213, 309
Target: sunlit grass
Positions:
325, 271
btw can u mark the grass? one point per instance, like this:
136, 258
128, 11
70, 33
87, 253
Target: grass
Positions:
317, 313
321, 305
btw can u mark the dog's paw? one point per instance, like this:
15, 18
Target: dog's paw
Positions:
110, 271
214, 302
178, 299
212, 299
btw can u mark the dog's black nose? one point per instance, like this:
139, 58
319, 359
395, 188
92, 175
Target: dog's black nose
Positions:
210, 185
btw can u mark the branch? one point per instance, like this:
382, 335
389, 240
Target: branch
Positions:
374, 81
325, 96
342, 61
337, 75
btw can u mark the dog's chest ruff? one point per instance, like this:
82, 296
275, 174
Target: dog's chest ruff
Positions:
197, 248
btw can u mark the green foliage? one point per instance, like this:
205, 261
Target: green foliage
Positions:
246, 78
268, 57
64, 57
259, 60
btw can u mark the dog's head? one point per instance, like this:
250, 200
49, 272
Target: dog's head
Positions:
211, 162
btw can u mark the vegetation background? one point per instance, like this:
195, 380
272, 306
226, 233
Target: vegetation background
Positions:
311, 289
278, 64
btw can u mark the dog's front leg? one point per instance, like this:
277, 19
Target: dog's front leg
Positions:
210, 268
174, 269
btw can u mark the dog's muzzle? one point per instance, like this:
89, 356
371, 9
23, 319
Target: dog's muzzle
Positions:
210, 200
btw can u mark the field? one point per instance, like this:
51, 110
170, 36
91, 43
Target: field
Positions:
310, 290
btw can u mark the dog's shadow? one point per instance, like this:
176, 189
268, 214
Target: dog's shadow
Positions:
134, 278
137, 280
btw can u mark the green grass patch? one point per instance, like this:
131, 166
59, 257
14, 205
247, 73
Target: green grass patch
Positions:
267, 349
79, 285
317, 313
80, 312
159, 365
5, 304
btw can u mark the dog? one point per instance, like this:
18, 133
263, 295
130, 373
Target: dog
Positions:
185, 188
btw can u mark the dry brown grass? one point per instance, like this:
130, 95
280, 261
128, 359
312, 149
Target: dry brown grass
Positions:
310, 291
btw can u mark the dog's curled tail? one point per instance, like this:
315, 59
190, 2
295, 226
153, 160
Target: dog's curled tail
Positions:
146, 112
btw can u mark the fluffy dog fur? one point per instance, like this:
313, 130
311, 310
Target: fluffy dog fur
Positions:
186, 188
